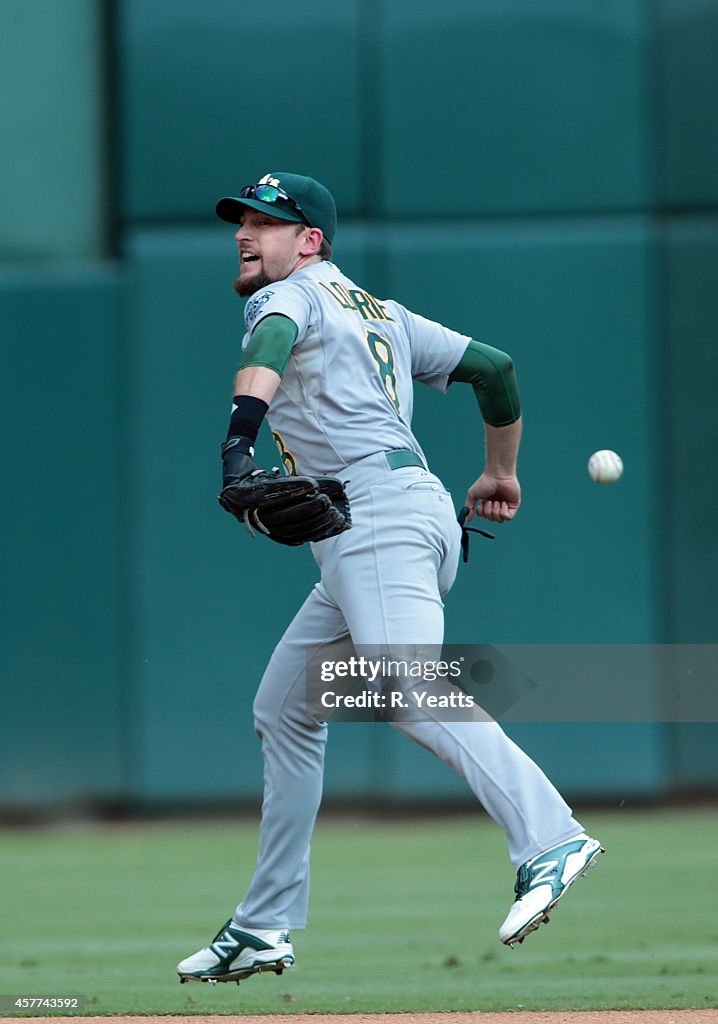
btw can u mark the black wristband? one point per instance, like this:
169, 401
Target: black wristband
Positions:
238, 444
237, 460
247, 415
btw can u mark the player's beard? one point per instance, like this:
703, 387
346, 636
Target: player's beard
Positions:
246, 287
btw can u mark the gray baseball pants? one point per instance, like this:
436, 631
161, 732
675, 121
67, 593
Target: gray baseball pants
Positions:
381, 583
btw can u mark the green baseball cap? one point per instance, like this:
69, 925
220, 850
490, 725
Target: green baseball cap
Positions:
292, 197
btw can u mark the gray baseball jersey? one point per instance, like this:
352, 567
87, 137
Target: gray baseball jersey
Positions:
347, 390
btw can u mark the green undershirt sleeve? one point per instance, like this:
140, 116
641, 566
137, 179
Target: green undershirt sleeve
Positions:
491, 373
271, 343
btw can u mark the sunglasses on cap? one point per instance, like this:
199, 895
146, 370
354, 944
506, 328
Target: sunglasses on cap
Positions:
272, 194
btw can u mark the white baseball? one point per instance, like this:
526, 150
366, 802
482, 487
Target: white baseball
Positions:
605, 467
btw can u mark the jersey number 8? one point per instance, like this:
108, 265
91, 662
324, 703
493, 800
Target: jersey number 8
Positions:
383, 355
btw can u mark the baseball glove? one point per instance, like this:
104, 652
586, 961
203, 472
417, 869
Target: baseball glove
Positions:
290, 510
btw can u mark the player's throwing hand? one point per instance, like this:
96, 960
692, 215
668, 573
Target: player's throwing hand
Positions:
494, 498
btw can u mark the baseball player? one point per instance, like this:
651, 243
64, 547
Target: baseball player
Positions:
332, 368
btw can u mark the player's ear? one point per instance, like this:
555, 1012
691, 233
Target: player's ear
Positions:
311, 241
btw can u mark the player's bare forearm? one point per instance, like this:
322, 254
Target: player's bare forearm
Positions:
496, 494
257, 381
502, 448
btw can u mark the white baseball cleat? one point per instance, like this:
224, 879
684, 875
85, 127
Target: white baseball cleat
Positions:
542, 881
237, 953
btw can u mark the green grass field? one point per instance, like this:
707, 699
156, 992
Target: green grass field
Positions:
404, 917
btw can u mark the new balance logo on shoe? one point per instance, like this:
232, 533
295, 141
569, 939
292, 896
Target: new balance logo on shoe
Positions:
542, 873
226, 944
230, 943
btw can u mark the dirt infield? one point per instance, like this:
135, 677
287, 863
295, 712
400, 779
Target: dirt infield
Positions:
476, 1017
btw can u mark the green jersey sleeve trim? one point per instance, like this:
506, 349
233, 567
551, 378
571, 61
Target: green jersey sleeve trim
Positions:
270, 343
491, 373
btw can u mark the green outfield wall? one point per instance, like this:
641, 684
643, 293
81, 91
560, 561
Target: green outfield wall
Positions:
540, 175
53, 174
